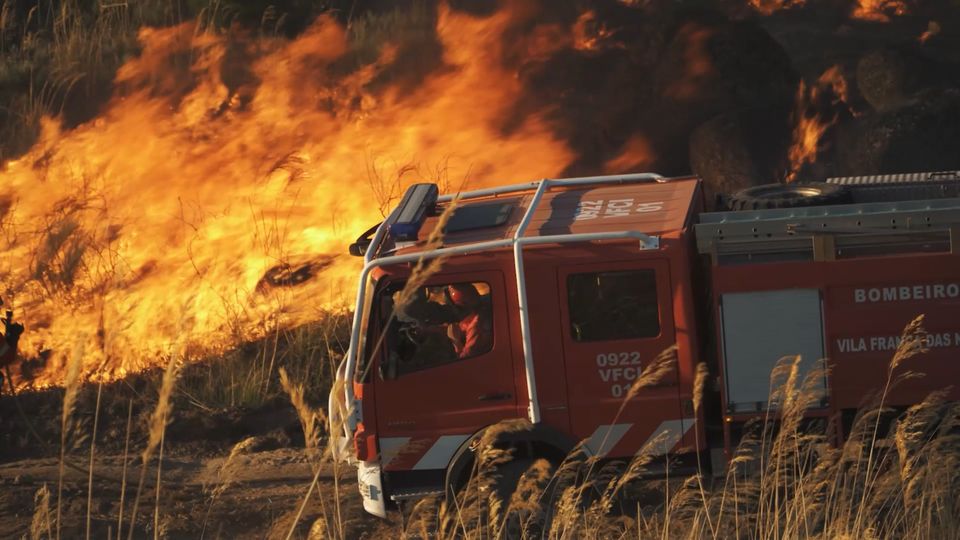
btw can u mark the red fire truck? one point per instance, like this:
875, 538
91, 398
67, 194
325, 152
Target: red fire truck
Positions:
549, 298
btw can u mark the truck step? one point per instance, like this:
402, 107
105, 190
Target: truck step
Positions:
415, 493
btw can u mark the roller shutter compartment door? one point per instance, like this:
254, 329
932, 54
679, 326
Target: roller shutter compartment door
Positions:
760, 328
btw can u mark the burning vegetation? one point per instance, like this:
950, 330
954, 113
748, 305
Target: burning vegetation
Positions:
181, 180
221, 160
208, 198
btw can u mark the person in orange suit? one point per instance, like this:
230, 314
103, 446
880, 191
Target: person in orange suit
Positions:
472, 333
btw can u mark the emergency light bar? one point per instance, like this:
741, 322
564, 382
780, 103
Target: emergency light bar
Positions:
417, 203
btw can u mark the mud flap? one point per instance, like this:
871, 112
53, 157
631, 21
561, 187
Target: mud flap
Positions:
371, 488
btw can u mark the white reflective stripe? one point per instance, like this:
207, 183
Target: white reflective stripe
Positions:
606, 437
669, 433
438, 456
390, 447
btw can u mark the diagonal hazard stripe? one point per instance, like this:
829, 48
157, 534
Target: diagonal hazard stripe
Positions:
438, 456
606, 437
390, 447
668, 434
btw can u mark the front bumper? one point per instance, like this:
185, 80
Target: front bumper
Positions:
371, 488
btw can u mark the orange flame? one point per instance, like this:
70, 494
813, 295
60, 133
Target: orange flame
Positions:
698, 63
637, 154
589, 33
811, 123
933, 29
879, 10
769, 7
207, 212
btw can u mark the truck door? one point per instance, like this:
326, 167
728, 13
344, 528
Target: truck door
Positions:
444, 367
616, 319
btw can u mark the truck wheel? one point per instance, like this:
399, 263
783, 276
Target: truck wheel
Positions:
788, 196
508, 477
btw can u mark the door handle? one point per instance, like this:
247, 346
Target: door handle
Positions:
496, 396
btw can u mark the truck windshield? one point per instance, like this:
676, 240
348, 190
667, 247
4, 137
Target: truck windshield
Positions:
435, 325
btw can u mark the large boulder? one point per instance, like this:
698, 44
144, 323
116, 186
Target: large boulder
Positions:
711, 66
921, 136
739, 149
890, 77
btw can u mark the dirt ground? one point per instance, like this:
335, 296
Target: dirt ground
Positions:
229, 473
261, 491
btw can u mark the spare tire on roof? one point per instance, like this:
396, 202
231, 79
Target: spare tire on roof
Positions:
788, 196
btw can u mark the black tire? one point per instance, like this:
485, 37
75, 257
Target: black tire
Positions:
508, 476
788, 196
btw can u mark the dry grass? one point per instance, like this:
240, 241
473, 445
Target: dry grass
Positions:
72, 385
785, 481
41, 522
311, 420
157, 429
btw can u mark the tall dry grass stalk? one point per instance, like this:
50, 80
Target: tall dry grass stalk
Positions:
157, 532
912, 343
157, 428
123, 474
93, 447
699, 387
664, 365
72, 385
41, 522
225, 476
312, 421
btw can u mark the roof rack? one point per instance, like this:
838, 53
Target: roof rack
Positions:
899, 178
370, 248
900, 187
517, 242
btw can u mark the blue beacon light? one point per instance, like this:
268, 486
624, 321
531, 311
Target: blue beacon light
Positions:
417, 203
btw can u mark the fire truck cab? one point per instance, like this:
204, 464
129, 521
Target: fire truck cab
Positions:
547, 300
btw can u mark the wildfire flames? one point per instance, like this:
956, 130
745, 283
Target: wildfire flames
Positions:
817, 111
867, 10
933, 29
213, 199
769, 7
207, 206
879, 10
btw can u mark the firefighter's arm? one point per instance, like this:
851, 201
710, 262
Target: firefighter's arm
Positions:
457, 338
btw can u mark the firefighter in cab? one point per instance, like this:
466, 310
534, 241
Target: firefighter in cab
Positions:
472, 331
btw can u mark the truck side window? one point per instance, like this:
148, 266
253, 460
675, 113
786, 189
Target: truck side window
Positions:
613, 305
437, 324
